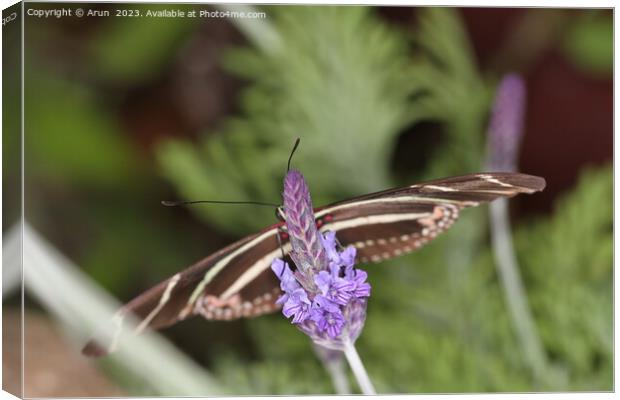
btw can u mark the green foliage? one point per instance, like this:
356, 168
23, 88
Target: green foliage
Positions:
270, 376
11, 125
589, 43
122, 253
343, 83
11, 89
450, 91
136, 49
71, 137
568, 265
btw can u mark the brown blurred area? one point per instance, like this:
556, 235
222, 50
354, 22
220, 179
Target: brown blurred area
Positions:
192, 97
50, 361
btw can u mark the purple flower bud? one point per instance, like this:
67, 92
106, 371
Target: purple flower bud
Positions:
355, 315
506, 125
308, 254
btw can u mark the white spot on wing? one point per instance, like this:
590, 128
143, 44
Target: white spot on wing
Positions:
489, 178
162, 302
440, 188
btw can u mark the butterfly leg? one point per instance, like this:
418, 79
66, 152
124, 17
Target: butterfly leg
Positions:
281, 232
340, 246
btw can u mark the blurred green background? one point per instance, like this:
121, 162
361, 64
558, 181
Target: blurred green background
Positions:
122, 113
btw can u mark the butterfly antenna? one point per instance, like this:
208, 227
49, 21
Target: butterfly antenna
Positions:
179, 203
288, 165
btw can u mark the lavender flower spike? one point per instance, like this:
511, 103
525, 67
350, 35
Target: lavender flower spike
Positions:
308, 254
325, 296
506, 125
504, 136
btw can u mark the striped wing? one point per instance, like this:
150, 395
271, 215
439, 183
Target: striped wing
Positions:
237, 282
390, 223
215, 287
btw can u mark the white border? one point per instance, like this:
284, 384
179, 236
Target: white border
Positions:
480, 3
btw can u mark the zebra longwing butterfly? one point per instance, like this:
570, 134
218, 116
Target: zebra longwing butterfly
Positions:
237, 281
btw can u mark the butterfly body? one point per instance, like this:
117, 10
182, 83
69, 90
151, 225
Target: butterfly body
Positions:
237, 282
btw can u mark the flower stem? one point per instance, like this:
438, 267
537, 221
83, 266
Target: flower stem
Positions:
514, 292
339, 378
358, 369
333, 362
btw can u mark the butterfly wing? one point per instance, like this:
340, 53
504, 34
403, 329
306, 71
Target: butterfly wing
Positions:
215, 287
393, 222
237, 281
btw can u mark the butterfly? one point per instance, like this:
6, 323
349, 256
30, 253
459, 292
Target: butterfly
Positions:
237, 281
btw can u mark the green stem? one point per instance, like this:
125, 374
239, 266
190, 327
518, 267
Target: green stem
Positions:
514, 292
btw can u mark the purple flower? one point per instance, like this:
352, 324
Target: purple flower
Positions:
288, 283
297, 305
347, 256
506, 125
357, 277
326, 295
329, 244
328, 316
335, 289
